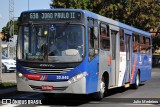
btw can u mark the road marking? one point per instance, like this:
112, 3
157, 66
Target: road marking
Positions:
10, 105
42, 106
16, 105
143, 104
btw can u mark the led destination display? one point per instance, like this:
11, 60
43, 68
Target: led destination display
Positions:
52, 16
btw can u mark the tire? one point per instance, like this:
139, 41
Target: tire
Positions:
5, 69
103, 90
48, 95
137, 81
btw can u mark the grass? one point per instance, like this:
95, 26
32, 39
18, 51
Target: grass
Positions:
156, 54
7, 85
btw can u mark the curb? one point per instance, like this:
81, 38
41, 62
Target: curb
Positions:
8, 92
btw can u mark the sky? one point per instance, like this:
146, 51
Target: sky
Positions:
19, 6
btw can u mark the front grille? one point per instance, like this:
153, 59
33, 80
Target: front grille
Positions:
48, 71
12, 67
39, 88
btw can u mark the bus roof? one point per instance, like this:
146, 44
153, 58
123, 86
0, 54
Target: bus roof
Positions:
98, 17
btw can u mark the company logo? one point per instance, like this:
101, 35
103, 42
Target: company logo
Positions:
15, 101
6, 101
46, 65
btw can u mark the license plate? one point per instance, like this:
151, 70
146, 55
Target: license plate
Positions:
47, 87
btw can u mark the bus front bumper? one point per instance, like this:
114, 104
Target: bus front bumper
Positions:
78, 87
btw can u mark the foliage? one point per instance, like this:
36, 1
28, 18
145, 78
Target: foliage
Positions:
142, 14
156, 40
7, 85
7, 30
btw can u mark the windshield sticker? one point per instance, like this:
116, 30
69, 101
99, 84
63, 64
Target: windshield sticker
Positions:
34, 56
52, 28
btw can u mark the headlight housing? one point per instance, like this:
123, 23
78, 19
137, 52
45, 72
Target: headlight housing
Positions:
20, 75
77, 77
8, 63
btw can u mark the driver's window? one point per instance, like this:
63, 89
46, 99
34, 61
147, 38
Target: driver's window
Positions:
93, 35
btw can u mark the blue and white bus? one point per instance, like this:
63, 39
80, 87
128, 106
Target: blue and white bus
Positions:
79, 52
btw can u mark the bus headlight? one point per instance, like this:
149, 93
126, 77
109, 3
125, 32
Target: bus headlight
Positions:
20, 75
77, 77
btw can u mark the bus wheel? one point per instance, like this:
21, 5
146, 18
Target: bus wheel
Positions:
137, 81
48, 95
99, 95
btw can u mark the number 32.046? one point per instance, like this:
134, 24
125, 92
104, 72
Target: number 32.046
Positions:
62, 77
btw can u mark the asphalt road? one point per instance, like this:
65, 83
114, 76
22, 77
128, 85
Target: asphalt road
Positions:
118, 97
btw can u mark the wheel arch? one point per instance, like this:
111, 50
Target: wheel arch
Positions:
139, 72
106, 77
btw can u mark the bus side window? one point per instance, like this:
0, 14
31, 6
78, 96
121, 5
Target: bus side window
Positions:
93, 38
142, 44
148, 45
135, 39
104, 37
122, 48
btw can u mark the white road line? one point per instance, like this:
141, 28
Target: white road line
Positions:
10, 105
143, 104
16, 105
42, 106
95, 102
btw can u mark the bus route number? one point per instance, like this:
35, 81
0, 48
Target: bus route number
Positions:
62, 77
34, 16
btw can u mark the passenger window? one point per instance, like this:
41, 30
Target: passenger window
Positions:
135, 39
91, 38
148, 45
144, 39
142, 44
141, 39
122, 48
104, 37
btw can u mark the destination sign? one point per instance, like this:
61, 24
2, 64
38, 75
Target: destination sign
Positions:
53, 15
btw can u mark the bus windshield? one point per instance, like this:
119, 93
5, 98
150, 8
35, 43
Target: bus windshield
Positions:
51, 42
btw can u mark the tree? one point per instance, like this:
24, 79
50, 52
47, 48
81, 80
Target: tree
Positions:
156, 40
6, 30
142, 14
